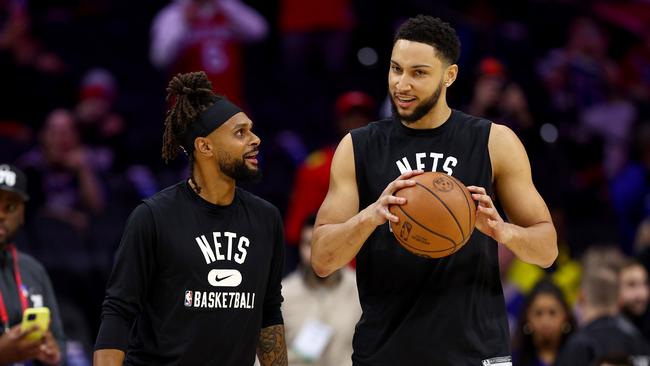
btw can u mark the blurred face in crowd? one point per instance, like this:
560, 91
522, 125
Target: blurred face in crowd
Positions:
236, 148
12, 212
59, 136
633, 290
416, 79
546, 318
586, 37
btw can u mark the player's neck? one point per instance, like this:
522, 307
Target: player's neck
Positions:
215, 187
438, 115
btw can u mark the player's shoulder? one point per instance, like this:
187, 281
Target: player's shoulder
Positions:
470, 121
255, 202
374, 127
502, 136
167, 196
30, 264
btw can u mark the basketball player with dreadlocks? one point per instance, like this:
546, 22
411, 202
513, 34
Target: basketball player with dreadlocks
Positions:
196, 279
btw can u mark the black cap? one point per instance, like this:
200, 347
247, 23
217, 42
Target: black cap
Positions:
13, 179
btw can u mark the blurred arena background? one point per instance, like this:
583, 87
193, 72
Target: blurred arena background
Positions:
82, 108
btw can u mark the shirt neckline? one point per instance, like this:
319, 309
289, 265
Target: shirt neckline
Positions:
426, 131
196, 198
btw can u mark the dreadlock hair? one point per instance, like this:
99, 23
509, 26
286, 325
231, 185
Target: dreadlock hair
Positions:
189, 95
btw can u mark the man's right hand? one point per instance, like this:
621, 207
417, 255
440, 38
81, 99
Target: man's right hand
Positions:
379, 211
15, 347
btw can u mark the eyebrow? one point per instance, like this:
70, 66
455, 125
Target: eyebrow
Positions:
239, 125
419, 66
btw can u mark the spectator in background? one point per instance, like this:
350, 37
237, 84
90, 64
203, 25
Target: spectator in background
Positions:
24, 283
634, 294
68, 196
318, 29
319, 313
100, 126
599, 256
603, 331
353, 109
190, 35
581, 74
544, 326
499, 99
62, 172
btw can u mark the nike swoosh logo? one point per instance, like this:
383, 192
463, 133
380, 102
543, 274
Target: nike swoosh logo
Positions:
224, 277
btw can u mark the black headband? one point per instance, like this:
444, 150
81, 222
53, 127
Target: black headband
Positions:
207, 121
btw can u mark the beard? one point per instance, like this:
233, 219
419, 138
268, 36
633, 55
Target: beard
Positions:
420, 110
238, 170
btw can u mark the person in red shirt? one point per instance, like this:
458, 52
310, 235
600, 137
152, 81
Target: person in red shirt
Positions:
190, 35
353, 109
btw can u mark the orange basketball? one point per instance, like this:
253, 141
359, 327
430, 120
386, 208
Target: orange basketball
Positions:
438, 217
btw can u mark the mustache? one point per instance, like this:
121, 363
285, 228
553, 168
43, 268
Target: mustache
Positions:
253, 151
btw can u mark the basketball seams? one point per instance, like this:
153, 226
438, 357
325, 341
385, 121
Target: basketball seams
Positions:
462, 234
429, 230
421, 252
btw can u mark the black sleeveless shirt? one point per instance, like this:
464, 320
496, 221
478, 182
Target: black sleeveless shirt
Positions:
420, 311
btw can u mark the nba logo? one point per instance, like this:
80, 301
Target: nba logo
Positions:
406, 231
188, 298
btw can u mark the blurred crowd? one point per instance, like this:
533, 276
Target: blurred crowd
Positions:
81, 112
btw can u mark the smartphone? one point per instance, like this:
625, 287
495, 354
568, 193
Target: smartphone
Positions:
36, 316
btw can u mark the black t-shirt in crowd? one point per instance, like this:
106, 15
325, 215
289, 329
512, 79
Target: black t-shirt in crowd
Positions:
420, 311
193, 283
605, 336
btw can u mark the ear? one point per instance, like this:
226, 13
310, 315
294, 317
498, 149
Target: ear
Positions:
203, 147
450, 75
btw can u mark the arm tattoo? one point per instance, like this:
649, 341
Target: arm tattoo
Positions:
271, 348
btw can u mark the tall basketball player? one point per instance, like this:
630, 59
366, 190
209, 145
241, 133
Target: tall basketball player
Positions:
419, 311
197, 276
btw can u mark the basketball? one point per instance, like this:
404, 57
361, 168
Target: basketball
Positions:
438, 217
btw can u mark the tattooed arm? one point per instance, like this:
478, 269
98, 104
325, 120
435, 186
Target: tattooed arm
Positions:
271, 348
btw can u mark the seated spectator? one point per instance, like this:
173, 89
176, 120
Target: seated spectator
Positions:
544, 326
24, 283
319, 313
62, 172
68, 196
604, 331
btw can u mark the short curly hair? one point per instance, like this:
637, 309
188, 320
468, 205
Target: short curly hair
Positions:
434, 32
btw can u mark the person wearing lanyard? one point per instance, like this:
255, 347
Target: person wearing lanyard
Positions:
23, 283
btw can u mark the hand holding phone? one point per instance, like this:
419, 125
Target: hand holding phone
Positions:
37, 319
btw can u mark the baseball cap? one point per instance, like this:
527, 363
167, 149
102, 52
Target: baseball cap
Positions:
351, 100
13, 179
490, 66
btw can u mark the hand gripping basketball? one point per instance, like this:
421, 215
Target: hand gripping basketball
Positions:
488, 220
380, 212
